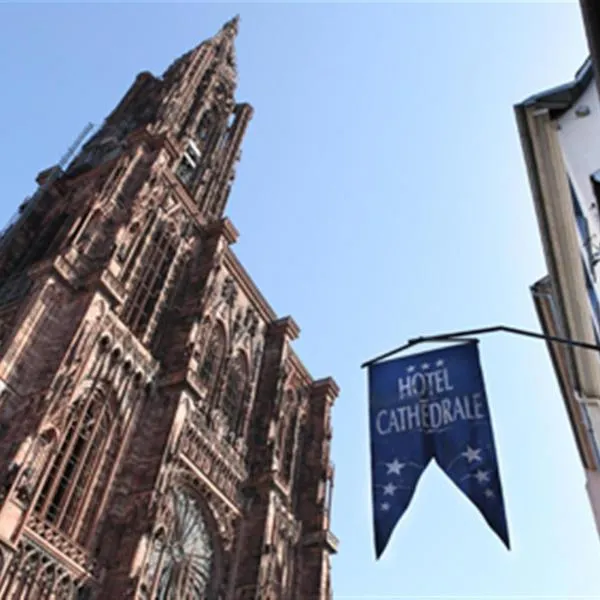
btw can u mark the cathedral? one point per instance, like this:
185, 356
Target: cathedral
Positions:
159, 437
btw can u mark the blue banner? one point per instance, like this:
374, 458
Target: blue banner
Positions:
431, 406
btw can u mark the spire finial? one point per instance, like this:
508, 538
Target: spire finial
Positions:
232, 25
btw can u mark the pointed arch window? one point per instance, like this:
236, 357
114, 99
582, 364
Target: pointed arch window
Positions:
213, 356
288, 401
289, 447
205, 127
72, 473
296, 467
233, 394
136, 244
188, 167
287, 435
155, 267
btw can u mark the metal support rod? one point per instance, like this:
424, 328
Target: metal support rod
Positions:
459, 336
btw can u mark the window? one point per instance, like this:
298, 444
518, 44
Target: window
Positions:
287, 435
593, 298
224, 140
584, 411
203, 131
233, 395
289, 447
192, 154
157, 262
181, 561
582, 225
213, 356
72, 473
595, 179
188, 166
185, 172
137, 242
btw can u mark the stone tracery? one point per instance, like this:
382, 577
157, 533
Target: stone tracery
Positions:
71, 473
181, 559
35, 574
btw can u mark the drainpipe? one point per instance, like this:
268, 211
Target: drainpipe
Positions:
581, 401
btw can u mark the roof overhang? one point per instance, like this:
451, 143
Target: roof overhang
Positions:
559, 99
553, 205
590, 10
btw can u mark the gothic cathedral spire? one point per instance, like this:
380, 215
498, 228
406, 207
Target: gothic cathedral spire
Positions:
159, 437
193, 105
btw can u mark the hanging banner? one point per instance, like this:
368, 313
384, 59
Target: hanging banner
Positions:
431, 406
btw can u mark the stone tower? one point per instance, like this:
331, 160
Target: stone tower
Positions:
159, 438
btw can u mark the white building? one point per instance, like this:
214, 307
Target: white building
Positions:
560, 135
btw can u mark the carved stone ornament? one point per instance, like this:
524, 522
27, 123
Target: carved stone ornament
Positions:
219, 423
229, 291
222, 513
236, 328
169, 203
251, 322
240, 445
282, 376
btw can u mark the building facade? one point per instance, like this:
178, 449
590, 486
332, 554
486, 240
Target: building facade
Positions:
560, 135
159, 437
590, 12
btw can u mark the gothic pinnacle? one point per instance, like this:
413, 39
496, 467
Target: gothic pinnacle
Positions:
232, 25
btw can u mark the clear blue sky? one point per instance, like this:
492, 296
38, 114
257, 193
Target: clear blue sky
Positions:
381, 195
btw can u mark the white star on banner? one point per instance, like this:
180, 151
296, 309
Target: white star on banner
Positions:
482, 476
439, 363
389, 489
385, 506
410, 369
489, 494
472, 454
395, 467
425, 366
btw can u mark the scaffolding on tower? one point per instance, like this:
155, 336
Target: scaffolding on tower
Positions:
29, 205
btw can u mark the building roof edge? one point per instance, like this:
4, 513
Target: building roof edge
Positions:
562, 97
